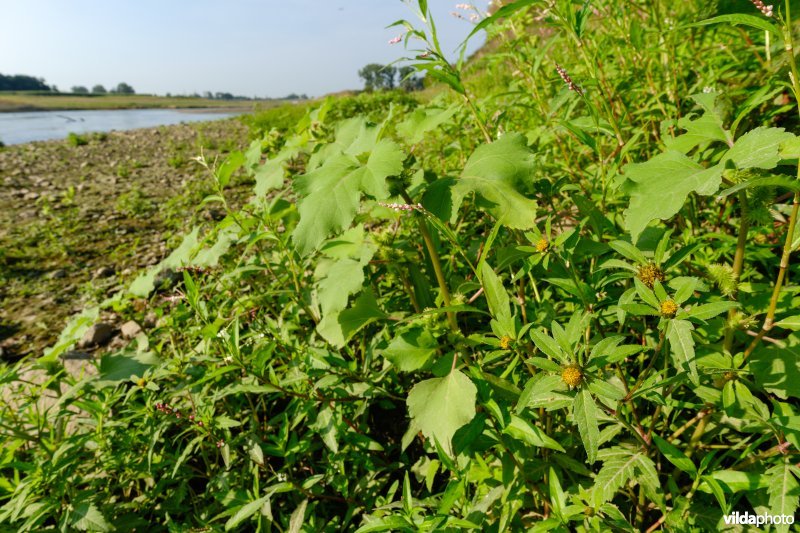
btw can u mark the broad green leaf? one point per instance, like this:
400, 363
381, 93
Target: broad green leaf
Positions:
557, 498
758, 148
783, 491
777, 370
232, 163
342, 279
339, 328
675, 456
585, 413
604, 389
662, 185
270, 175
330, 195
87, 517
679, 334
497, 172
410, 350
121, 366
439, 406
423, 120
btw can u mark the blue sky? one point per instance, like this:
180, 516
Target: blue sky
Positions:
248, 47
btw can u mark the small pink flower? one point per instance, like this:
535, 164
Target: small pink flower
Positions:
396, 39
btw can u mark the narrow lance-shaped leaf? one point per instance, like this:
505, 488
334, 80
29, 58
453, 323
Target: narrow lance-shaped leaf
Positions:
585, 412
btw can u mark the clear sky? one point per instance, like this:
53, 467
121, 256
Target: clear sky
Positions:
246, 47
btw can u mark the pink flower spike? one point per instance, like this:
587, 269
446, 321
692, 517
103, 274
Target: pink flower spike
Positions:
396, 39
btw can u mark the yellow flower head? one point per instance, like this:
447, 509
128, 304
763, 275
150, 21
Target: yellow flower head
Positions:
542, 245
669, 308
505, 342
572, 376
649, 274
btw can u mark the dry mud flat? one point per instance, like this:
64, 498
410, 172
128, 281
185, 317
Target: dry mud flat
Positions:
78, 221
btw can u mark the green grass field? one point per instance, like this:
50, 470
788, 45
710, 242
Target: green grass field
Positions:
39, 102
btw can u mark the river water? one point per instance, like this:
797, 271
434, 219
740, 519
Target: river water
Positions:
27, 126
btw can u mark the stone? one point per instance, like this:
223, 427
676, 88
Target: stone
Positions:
150, 320
57, 274
97, 335
104, 272
130, 329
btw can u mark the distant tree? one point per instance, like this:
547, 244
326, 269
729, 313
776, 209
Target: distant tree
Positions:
123, 88
209, 95
377, 76
223, 96
408, 80
99, 89
21, 82
80, 89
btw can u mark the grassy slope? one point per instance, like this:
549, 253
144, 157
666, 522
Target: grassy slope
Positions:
39, 102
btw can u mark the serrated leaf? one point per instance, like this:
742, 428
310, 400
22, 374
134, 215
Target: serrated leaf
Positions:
440, 406
758, 148
679, 334
777, 370
662, 185
619, 467
497, 172
330, 195
783, 491
87, 517
706, 311
547, 345
342, 279
410, 350
423, 120
339, 328
585, 413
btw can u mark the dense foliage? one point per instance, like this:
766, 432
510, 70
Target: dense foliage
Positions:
558, 296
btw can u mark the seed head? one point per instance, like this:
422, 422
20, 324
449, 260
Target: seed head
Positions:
565, 76
572, 376
542, 245
649, 274
669, 308
505, 342
765, 9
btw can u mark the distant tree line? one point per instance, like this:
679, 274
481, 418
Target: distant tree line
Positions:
379, 77
21, 82
121, 88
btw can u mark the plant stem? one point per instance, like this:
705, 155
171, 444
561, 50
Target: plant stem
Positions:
436, 262
738, 265
478, 118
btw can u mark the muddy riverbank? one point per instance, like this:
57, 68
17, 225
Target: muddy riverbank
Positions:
80, 217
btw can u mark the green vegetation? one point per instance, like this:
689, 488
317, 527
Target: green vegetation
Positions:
558, 296
95, 100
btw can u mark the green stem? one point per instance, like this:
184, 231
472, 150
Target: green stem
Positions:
478, 118
738, 265
436, 262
